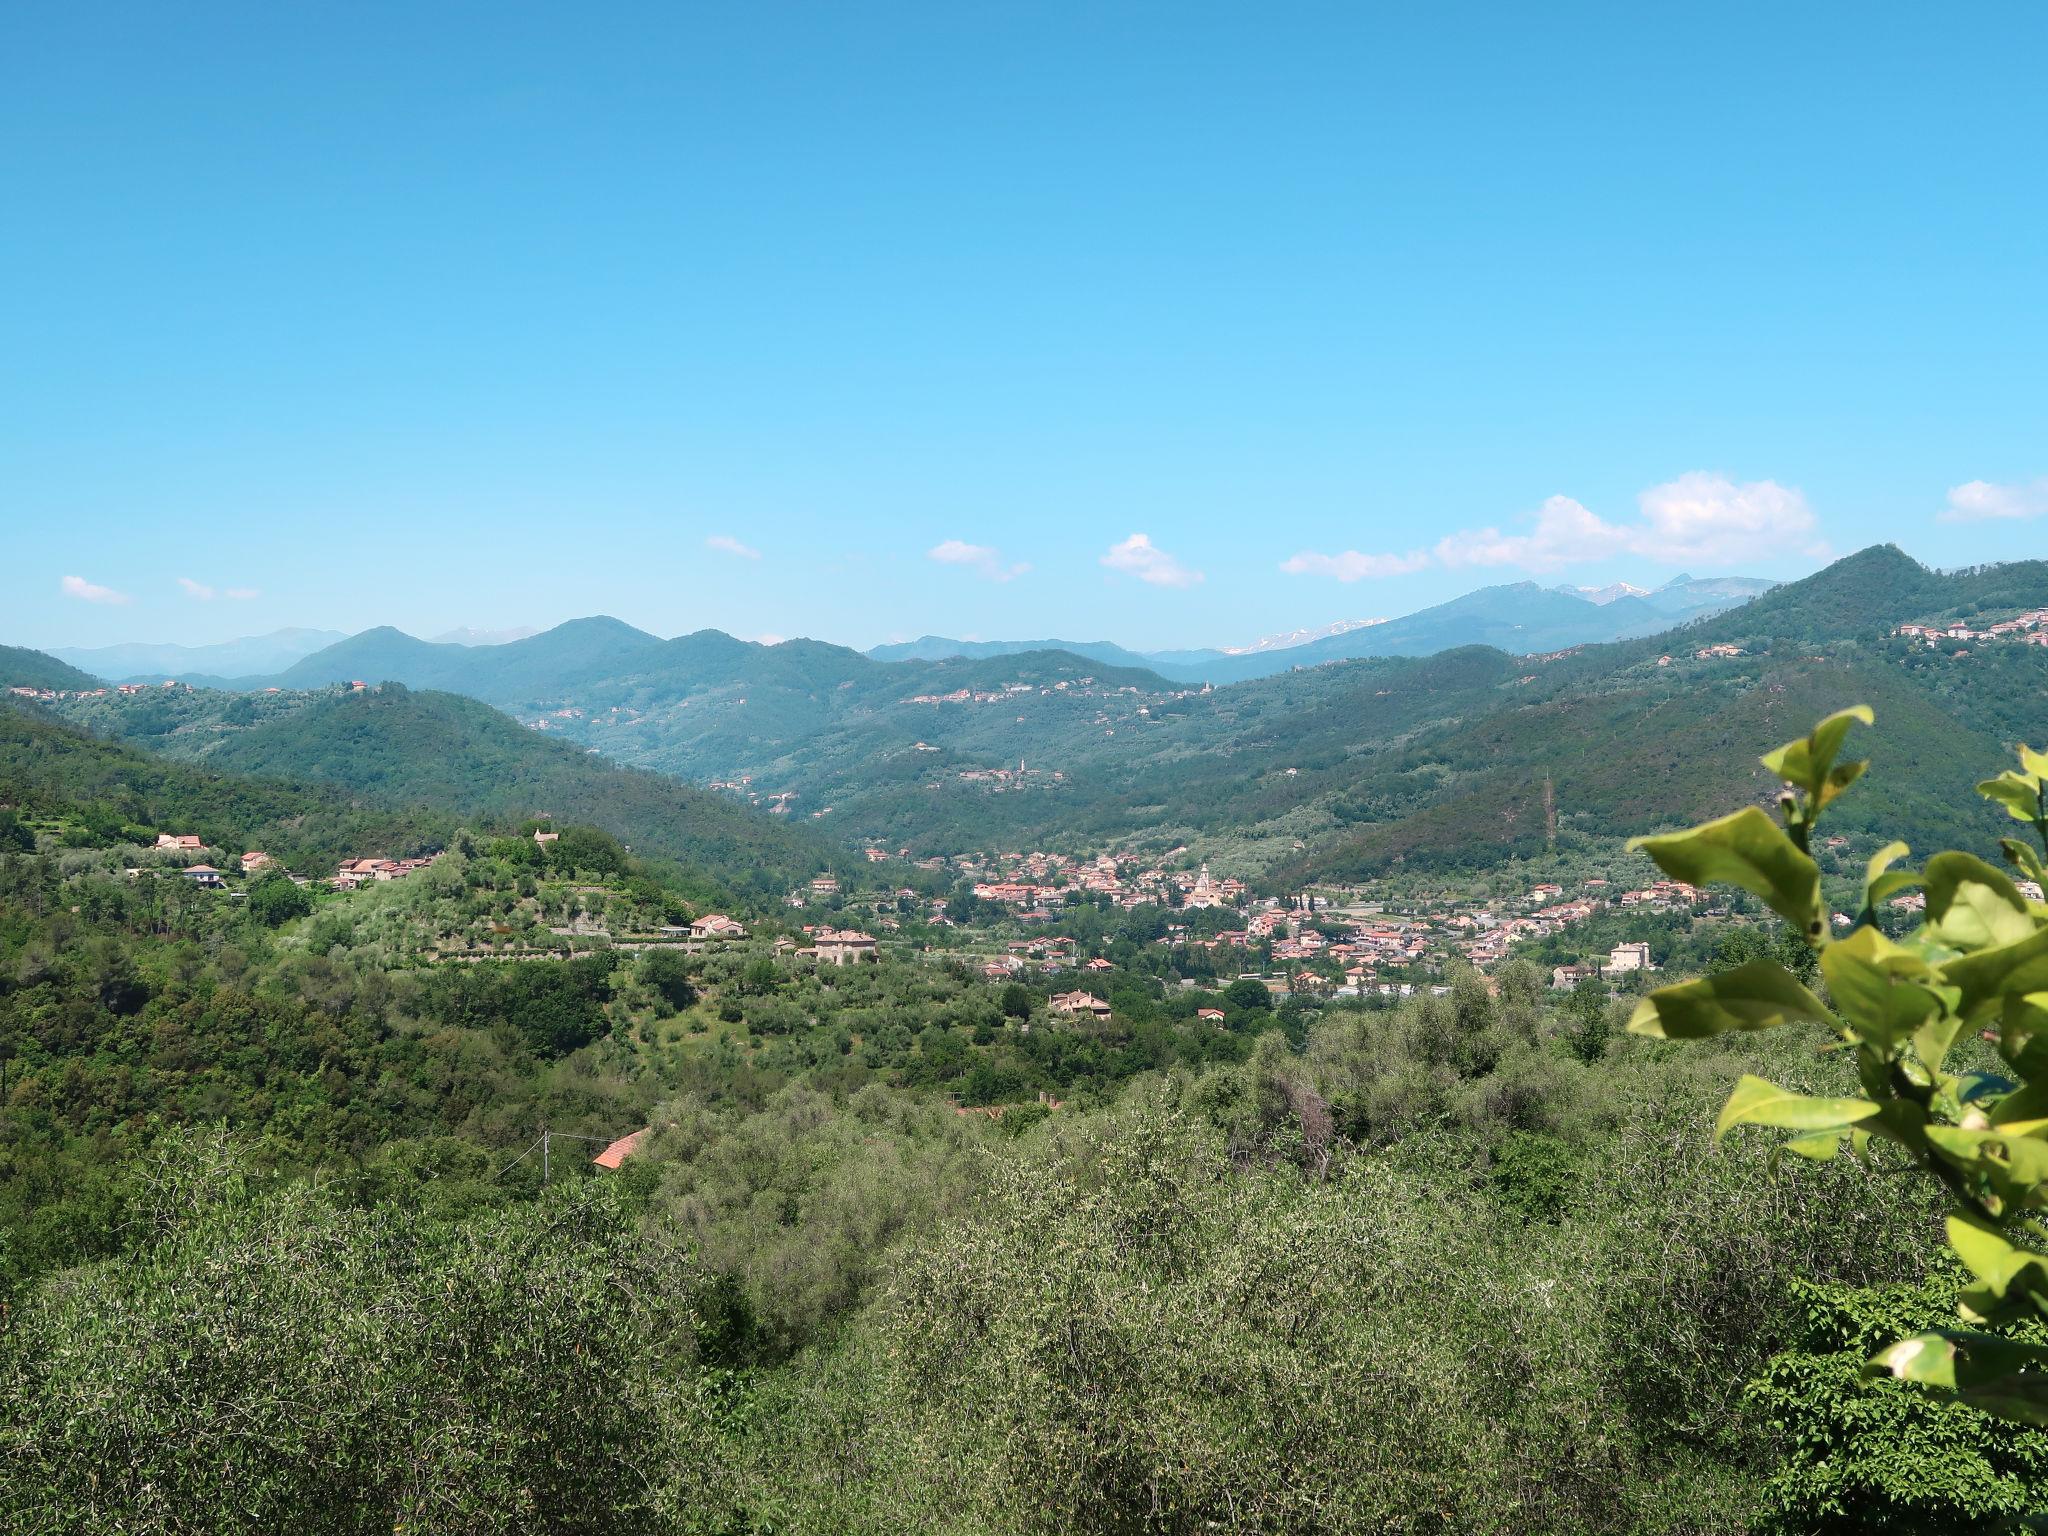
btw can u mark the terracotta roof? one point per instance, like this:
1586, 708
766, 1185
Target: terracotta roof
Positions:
621, 1149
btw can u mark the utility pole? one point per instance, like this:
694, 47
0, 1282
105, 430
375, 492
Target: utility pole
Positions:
1549, 815
543, 1157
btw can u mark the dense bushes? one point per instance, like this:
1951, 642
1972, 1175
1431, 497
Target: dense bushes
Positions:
275, 1363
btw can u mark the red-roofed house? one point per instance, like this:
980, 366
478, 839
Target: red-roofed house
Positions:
621, 1149
1073, 1004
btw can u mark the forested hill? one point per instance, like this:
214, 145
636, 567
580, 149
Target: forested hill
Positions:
1343, 769
393, 746
23, 668
50, 770
1651, 732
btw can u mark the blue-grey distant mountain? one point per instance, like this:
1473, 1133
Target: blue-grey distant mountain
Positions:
252, 656
939, 648
562, 657
469, 635
1520, 618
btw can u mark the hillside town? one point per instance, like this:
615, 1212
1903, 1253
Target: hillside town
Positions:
2028, 628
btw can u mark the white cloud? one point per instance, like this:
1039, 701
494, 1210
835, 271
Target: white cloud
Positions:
1138, 556
87, 592
199, 591
982, 558
1697, 519
726, 544
1705, 519
1980, 499
1566, 533
1350, 565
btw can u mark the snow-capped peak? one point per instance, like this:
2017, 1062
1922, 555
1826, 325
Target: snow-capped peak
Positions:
1295, 637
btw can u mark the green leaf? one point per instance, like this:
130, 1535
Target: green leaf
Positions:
1820, 1147
2025, 857
2035, 763
1972, 905
1880, 880
2018, 793
1747, 850
1986, 977
1759, 995
2023, 1041
1756, 1102
2010, 1279
2001, 1377
1810, 763
1885, 990
2005, 1165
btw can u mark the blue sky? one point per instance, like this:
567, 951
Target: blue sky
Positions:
733, 316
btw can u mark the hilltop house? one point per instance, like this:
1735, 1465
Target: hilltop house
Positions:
1078, 1004
716, 925
203, 874
180, 843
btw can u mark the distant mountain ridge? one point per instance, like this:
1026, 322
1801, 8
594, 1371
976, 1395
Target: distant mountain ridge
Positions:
247, 657
1521, 618
499, 664
1329, 770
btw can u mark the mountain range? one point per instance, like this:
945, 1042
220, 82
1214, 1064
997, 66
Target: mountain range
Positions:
246, 657
1335, 769
1521, 618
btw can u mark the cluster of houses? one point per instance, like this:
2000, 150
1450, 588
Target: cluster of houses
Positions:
356, 872
999, 779
253, 862
51, 695
2030, 628
1078, 687
1037, 884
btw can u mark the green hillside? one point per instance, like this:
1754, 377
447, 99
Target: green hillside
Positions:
107, 792
396, 746
24, 668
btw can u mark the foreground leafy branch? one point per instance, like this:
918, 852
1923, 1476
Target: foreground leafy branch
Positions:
1978, 961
